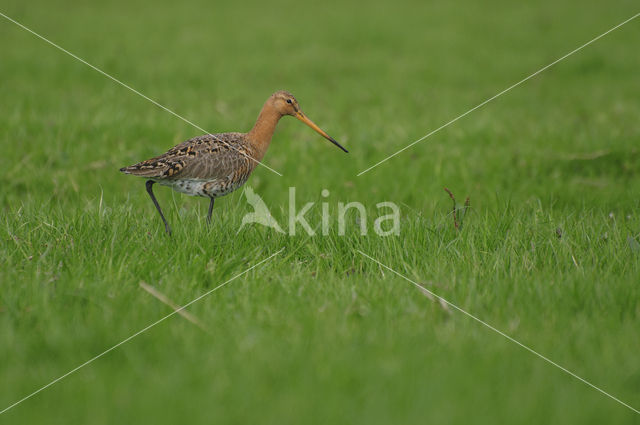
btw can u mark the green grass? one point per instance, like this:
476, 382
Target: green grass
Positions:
548, 252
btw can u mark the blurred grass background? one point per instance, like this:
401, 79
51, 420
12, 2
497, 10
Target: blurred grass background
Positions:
321, 334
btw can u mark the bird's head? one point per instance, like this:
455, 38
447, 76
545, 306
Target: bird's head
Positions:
285, 104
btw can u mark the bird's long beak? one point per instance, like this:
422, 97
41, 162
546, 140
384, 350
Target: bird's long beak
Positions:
302, 117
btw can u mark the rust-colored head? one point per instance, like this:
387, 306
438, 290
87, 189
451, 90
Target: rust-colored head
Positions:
285, 104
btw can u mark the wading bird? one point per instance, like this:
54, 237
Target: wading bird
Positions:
214, 165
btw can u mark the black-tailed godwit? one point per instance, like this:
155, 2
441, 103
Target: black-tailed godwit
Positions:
214, 165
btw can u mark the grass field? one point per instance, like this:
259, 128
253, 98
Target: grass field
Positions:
549, 252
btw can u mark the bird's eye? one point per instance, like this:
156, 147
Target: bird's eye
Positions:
289, 101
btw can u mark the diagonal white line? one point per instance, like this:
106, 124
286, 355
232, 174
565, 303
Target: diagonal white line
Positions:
137, 333
500, 332
501, 93
111, 77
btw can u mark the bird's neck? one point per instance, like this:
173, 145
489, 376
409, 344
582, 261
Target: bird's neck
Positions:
261, 133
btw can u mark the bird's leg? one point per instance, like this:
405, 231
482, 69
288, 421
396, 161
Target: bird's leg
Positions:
155, 202
210, 210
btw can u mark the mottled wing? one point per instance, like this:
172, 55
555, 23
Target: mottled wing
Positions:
227, 160
207, 157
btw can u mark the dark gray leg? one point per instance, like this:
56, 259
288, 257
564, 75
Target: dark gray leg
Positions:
210, 210
155, 202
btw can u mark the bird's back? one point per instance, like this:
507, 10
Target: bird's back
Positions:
207, 157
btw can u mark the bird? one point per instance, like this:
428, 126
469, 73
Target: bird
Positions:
214, 165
